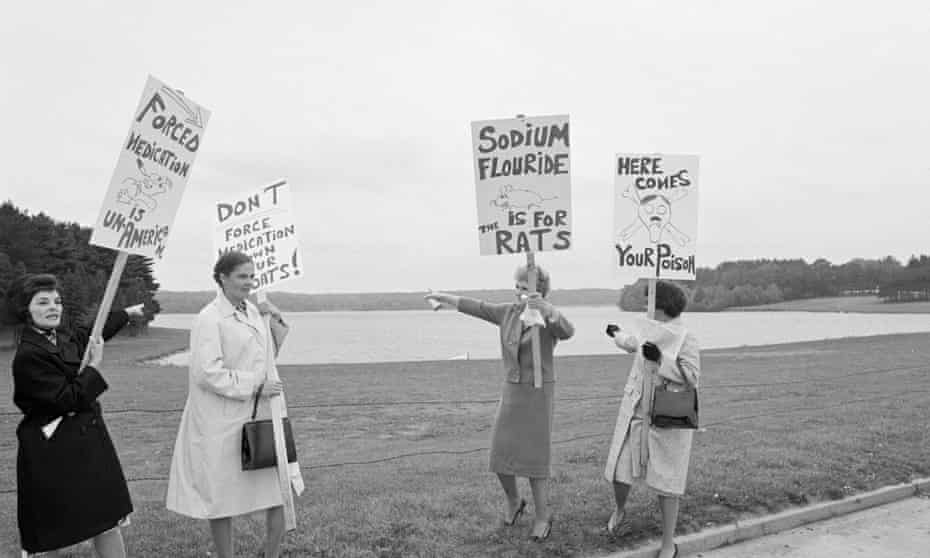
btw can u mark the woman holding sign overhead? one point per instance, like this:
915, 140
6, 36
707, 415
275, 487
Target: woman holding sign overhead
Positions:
228, 364
69, 483
521, 439
643, 451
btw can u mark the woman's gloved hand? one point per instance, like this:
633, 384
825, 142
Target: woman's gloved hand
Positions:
651, 352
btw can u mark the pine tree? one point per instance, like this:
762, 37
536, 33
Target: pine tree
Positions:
39, 244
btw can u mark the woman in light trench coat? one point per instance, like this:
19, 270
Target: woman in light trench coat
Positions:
639, 452
229, 360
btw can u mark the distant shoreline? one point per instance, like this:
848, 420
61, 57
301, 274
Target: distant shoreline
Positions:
182, 302
847, 304
174, 302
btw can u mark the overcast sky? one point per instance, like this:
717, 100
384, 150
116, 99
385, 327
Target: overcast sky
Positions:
811, 120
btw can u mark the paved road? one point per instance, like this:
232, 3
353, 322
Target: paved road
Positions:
897, 530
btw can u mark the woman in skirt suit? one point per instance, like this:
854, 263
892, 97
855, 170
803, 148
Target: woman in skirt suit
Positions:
521, 438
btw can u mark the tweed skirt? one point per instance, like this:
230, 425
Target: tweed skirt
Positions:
521, 442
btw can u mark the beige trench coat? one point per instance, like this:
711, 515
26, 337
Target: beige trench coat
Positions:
229, 356
669, 449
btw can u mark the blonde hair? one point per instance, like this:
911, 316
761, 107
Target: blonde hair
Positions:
542, 278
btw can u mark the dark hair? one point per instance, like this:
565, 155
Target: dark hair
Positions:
670, 298
227, 263
21, 292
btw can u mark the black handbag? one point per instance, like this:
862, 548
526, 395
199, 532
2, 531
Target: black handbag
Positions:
675, 409
258, 441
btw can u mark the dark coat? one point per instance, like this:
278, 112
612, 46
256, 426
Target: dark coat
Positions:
70, 487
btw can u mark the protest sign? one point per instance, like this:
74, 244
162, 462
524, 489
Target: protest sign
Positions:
523, 192
523, 184
146, 187
151, 173
656, 215
261, 225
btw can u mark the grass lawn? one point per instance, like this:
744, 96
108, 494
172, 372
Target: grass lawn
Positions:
860, 304
786, 425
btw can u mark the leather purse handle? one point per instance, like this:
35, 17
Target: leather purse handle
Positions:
666, 381
258, 393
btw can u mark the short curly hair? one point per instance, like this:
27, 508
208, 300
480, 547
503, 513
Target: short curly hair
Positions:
670, 298
21, 292
227, 263
542, 278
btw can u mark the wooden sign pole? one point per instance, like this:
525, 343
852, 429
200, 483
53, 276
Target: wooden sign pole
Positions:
651, 300
534, 331
280, 448
108, 295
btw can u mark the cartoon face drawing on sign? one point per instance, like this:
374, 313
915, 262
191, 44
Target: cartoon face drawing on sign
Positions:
654, 211
517, 198
145, 189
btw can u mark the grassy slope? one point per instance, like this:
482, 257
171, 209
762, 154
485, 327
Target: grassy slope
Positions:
753, 458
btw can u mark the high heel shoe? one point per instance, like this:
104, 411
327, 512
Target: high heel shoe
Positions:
616, 519
516, 515
545, 534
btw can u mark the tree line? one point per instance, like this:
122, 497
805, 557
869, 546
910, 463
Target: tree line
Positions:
40, 244
765, 281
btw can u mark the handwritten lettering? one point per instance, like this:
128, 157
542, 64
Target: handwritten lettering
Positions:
488, 228
668, 182
272, 271
133, 236
538, 163
639, 165
153, 152
226, 210
256, 239
535, 240
530, 136
661, 258
170, 126
251, 204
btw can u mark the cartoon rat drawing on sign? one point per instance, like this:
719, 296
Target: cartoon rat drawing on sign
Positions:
517, 198
146, 188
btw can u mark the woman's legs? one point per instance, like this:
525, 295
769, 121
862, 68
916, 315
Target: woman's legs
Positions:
540, 505
509, 484
669, 506
274, 518
110, 544
621, 491
221, 529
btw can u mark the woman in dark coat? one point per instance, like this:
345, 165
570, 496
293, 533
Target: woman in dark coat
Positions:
70, 486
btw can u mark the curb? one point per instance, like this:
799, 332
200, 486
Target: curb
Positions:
743, 530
